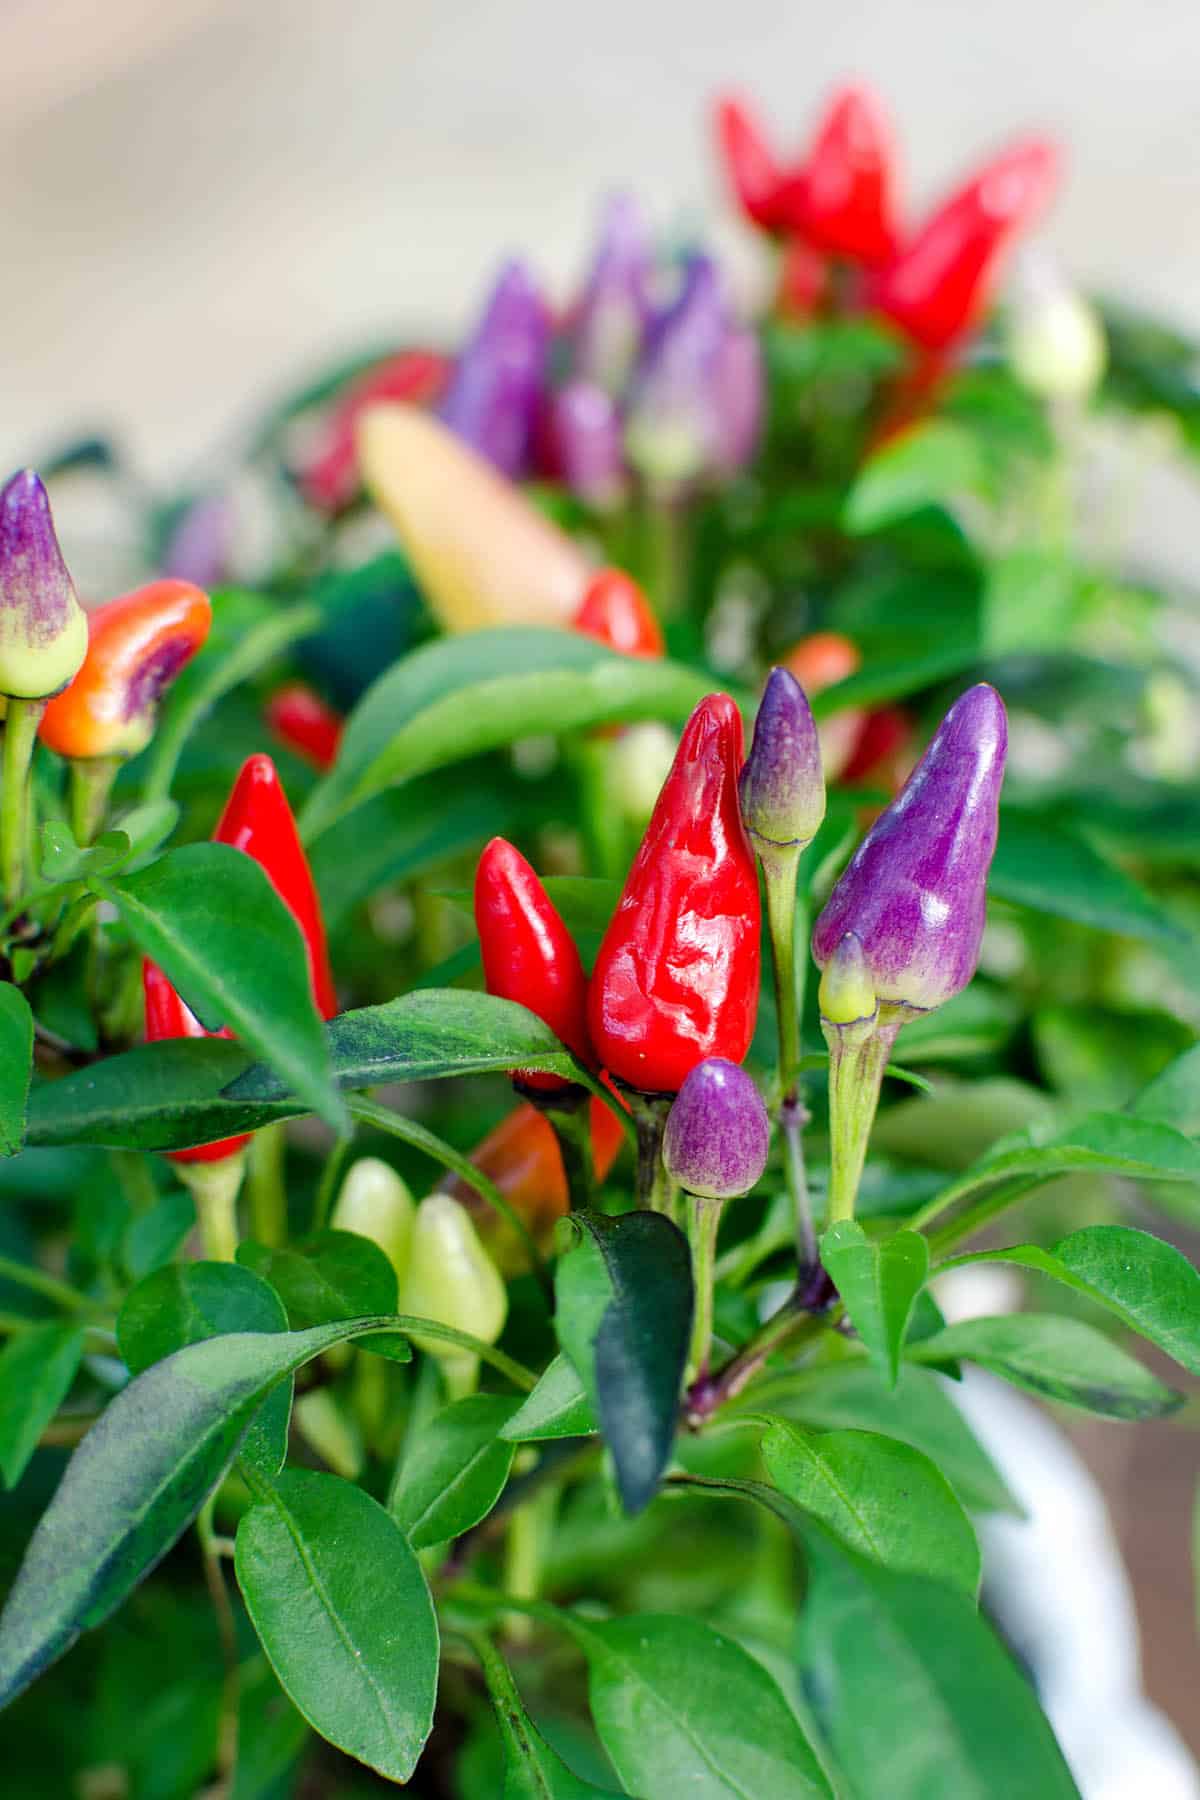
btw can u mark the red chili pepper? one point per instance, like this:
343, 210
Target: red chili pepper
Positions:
849, 176
168, 1017
522, 1157
770, 193
258, 820
938, 285
301, 719
615, 610
884, 738
330, 479
803, 285
677, 976
528, 953
136, 647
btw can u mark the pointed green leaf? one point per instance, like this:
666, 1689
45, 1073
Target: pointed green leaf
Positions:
928, 465
330, 1275
455, 1471
557, 1408
878, 1280
37, 1368
16, 1066
1042, 864
1173, 1098
532, 1770
1057, 1359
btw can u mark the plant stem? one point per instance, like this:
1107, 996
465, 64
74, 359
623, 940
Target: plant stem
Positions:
46, 1285
654, 1189
227, 1733
265, 1185
785, 916
20, 735
91, 782
331, 1174
790, 1324
704, 1219
857, 1063
215, 1187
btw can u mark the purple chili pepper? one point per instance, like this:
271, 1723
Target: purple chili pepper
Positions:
495, 391
914, 892
781, 786
737, 400
717, 1133
671, 430
200, 544
586, 430
43, 630
614, 307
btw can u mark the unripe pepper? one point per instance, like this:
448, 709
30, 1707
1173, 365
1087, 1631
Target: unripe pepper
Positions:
137, 645
43, 630
528, 953
615, 610
452, 1280
330, 479
677, 975
303, 721
375, 1203
718, 1133
939, 283
849, 208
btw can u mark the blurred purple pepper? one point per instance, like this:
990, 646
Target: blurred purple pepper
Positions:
199, 547
495, 391
781, 787
586, 430
915, 890
613, 308
717, 1133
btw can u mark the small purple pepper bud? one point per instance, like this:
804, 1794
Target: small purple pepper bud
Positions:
717, 1133
587, 437
915, 890
737, 400
43, 628
495, 391
614, 306
781, 787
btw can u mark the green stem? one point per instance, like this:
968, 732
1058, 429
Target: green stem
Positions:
46, 1285
665, 552
857, 1062
331, 1175
704, 1220
91, 785
973, 1218
573, 1129
20, 735
227, 1730
654, 1189
265, 1188
785, 917
215, 1187
791, 1324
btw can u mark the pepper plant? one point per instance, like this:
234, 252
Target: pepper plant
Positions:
490, 1165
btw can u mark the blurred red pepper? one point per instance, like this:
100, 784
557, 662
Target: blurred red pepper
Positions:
137, 645
528, 953
849, 207
258, 820
330, 479
803, 286
937, 286
615, 610
301, 719
677, 976
521, 1155
884, 751
820, 661
769, 193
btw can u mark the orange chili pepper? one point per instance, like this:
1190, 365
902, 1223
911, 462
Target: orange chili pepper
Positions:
136, 647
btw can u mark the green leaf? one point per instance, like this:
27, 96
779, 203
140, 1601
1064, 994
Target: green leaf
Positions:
532, 1770
147, 827
919, 1411
208, 915
1057, 1359
455, 1471
136, 1481
682, 1709
1173, 1098
16, 1066
557, 1408
37, 1367
1148, 1284
328, 1276
62, 860
879, 1497
623, 1308
1042, 864
186, 1303
461, 695
339, 1602
928, 465
154, 1237
878, 1280
182, 1092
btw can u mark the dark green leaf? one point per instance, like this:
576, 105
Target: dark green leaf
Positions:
37, 1367
331, 1275
1041, 863
878, 1280
460, 695
339, 1601
557, 1408
682, 1709
623, 1297
455, 1471
208, 915
186, 1303
16, 1065
181, 1092
138, 1478
1148, 1284
879, 1497
1057, 1359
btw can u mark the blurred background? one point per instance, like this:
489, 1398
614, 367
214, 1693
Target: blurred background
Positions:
201, 201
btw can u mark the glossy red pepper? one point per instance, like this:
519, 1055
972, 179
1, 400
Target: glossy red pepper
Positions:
528, 953
677, 976
938, 285
849, 206
258, 820
168, 1017
330, 479
301, 719
615, 610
